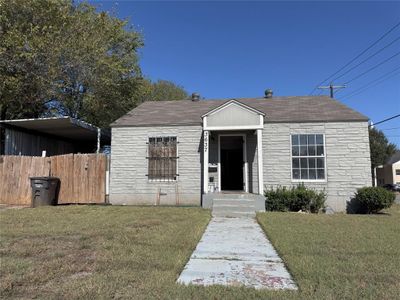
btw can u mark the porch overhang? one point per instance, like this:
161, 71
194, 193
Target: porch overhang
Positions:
233, 115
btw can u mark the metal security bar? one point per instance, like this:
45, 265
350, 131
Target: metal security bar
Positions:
162, 158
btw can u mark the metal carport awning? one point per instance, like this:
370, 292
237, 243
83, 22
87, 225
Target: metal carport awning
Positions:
63, 127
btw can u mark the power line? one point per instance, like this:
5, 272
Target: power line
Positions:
369, 57
385, 120
371, 86
373, 68
355, 58
384, 129
372, 83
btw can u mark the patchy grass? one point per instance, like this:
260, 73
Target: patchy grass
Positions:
72, 252
92, 251
339, 256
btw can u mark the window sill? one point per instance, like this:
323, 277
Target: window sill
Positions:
310, 180
162, 181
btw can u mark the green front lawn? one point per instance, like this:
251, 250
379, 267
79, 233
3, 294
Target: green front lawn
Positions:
339, 256
107, 252
76, 252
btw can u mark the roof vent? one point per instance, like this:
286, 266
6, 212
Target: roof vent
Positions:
268, 93
195, 97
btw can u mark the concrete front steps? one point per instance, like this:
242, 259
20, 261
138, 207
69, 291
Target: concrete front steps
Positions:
233, 208
234, 205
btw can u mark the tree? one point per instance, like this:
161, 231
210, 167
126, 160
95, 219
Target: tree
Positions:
56, 51
380, 148
162, 90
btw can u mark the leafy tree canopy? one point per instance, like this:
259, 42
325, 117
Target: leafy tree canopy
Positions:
60, 57
381, 149
162, 90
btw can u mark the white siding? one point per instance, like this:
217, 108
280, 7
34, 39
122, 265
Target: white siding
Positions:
129, 183
347, 157
347, 162
233, 115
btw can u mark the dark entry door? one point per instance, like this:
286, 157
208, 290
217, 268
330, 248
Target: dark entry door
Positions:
232, 165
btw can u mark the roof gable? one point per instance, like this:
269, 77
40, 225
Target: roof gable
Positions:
233, 115
234, 103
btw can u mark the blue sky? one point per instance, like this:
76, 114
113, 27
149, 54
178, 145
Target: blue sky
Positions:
238, 49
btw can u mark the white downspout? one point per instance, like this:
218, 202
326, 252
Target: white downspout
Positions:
260, 162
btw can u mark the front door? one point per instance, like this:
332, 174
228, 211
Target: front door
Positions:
232, 163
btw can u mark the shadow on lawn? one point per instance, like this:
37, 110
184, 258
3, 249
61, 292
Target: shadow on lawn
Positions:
355, 207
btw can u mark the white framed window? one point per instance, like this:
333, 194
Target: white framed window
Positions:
162, 158
308, 157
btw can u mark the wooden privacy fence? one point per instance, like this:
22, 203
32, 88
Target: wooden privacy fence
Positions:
82, 177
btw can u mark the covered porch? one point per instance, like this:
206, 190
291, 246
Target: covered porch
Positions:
232, 150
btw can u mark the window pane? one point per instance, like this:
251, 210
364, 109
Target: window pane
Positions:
311, 163
311, 150
320, 163
304, 174
303, 163
320, 150
295, 151
303, 150
162, 158
295, 139
320, 173
303, 139
295, 163
311, 139
311, 146
312, 174
320, 139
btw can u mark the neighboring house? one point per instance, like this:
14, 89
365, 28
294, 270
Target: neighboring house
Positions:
389, 173
56, 136
181, 152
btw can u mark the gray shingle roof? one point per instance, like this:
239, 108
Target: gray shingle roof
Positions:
394, 158
277, 109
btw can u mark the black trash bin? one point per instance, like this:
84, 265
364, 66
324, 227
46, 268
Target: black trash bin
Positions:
44, 190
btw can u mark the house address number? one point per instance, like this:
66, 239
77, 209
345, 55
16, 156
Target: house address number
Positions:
205, 141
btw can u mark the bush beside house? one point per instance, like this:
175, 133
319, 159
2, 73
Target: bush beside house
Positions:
299, 198
373, 199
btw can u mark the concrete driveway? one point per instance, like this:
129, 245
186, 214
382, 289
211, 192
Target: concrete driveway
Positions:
235, 251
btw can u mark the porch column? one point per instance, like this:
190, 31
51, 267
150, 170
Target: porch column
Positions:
260, 162
205, 161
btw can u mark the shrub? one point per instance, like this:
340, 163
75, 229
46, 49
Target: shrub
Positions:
374, 199
318, 202
278, 200
294, 199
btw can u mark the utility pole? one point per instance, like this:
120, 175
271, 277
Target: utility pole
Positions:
332, 87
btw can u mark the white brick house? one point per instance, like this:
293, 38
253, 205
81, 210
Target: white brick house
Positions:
181, 152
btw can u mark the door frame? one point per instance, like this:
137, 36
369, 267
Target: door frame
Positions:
245, 165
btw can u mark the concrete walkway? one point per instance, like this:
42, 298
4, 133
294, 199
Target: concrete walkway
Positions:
235, 251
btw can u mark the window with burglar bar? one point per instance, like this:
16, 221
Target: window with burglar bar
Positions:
308, 157
162, 158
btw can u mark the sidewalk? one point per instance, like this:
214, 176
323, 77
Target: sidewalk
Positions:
235, 251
